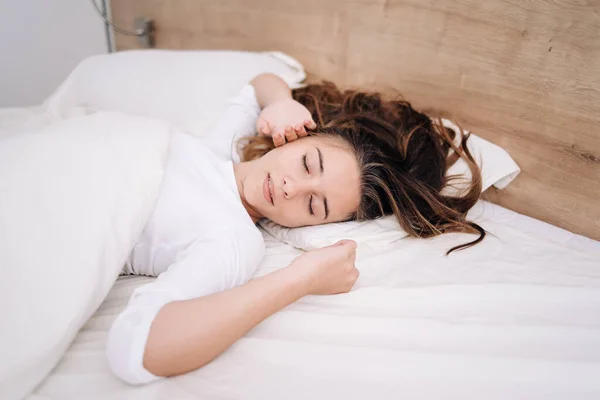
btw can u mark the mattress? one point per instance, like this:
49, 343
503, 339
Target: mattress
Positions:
515, 317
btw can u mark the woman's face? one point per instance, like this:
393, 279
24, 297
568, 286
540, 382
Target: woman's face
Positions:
310, 181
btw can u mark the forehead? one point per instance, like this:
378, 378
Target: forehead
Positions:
334, 144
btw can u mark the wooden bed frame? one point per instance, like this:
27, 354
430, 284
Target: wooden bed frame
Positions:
522, 74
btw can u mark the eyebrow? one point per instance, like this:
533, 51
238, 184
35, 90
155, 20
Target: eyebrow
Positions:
320, 158
324, 198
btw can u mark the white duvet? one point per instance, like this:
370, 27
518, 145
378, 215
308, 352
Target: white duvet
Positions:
74, 195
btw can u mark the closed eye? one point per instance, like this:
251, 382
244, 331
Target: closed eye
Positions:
304, 163
310, 207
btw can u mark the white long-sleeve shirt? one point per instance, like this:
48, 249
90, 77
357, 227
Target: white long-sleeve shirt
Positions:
199, 239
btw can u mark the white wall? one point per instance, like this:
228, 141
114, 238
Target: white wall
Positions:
41, 41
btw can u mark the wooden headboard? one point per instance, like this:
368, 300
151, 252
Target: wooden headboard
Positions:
522, 74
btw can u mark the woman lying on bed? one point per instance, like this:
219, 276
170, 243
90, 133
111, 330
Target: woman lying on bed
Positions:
364, 158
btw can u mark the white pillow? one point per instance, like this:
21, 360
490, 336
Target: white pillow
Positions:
74, 196
190, 89
497, 168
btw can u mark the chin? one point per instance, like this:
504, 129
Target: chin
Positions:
259, 210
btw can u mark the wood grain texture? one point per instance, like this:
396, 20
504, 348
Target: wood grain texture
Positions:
524, 74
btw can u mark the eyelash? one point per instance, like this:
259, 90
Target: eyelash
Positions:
310, 209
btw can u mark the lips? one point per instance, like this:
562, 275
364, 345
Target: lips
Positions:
267, 189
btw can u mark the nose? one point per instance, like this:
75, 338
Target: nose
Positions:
294, 187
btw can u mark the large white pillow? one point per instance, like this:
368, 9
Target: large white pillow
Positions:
73, 198
190, 89
497, 169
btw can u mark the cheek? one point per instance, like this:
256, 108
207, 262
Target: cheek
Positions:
348, 198
354, 199
253, 186
281, 166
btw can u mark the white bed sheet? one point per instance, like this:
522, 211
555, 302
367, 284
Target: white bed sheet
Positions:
516, 317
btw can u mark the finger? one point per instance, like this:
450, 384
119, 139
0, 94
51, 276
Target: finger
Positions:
278, 139
352, 278
266, 129
260, 123
290, 134
262, 127
349, 247
300, 131
310, 124
350, 243
352, 257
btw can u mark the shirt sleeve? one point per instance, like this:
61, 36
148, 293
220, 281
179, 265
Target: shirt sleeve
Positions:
238, 121
206, 267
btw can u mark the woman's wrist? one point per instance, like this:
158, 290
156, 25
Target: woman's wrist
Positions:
276, 96
270, 89
298, 278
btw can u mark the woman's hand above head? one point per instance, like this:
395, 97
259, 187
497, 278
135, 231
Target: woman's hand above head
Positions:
282, 117
329, 270
285, 121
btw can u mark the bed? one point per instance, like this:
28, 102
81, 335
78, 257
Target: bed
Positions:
515, 317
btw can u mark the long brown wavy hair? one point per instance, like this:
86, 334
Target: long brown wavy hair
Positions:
403, 157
